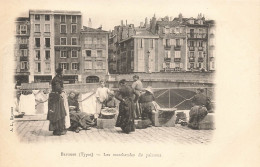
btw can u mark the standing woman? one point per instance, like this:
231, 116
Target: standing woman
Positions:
56, 109
126, 96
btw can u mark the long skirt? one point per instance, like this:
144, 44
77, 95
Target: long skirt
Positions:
126, 116
80, 119
56, 112
197, 113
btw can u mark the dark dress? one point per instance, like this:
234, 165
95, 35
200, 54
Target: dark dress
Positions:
56, 110
125, 118
198, 111
77, 118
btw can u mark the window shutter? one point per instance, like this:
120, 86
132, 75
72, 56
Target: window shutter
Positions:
174, 42
181, 42
204, 44
68, 66
169, 54
164, 42
142, 43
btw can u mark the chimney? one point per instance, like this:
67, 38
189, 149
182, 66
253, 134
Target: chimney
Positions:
146, 22
89, 23
170, 19
122, 23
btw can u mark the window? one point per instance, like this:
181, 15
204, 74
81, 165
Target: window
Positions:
47, 55
62, 18
74, 54
38, 67
47, 42
177, 30
88, 40
23, 29
200, 65
74, 66
63, 54
191, 65
99, 53
74, 19
167, 30
168, 42
178, 42
63, 28
88, 65
99, 40
47, 28
64, 66
103, 39
192, 43
23, 52
23, 41
38, 55
191, 54
37, 28
200, 22
200, 31
37, 42
99, 65
73, 41
63, 41
24, 65
191, 21
47, 67
73, 28
94, 40
88, 53
200, 43
37, 17
177, 54
47, 17
167, 54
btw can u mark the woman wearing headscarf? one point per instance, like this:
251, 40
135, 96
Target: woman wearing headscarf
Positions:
56, 109
78, 119
127, 96
199, 110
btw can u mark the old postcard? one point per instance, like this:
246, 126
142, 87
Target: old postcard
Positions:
130, 83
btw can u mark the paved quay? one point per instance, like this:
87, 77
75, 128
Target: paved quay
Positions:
34, 129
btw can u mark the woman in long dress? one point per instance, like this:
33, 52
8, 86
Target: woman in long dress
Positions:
126, 96
78, 119
56, 109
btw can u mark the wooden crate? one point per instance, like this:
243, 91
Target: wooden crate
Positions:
106, 123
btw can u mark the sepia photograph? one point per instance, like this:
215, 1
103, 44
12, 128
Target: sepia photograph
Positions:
123, 83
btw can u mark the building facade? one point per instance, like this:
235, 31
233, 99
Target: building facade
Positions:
94, 44
67, 27
21, 50
41, 46
211, 45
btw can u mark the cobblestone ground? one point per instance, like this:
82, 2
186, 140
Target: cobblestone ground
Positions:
35, 129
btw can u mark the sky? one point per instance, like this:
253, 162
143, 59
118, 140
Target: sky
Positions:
109, 13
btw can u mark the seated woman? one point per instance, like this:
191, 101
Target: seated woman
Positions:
146, 103
78, 119
199, 110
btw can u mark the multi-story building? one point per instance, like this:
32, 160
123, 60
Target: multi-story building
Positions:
172, 44
67, 26
197, 43
211, 45
139, 53
41, 47
21, 50
94, 44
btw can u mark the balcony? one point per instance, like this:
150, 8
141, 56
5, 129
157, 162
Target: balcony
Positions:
177, 59
47, 34
37, 33
167, 46
191, 59
197, 35
24, 58
178, 47
200, 59
191, 48
166, 59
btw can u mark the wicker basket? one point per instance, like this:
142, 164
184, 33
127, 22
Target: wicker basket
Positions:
108, 113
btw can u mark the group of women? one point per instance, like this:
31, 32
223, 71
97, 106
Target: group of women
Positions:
128, 96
